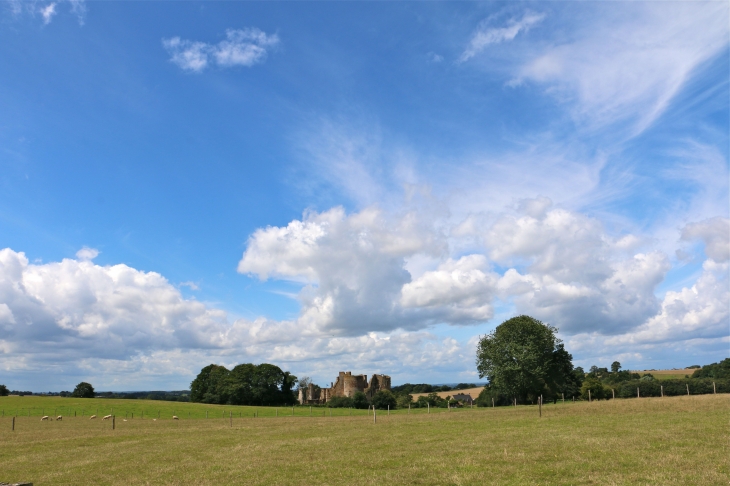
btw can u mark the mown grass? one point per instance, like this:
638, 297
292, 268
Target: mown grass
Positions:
678, 440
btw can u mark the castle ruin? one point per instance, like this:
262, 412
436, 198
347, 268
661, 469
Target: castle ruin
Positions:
346, 385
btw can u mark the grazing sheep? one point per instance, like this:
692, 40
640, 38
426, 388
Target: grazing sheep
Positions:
92, 417
59, 417
154, 420
174, 417
124, 420
107, 417
45, 417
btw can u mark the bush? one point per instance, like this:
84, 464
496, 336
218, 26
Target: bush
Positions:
360, 400
403, 401
340, 402
384, 399
597, 389
487, 394
3, 391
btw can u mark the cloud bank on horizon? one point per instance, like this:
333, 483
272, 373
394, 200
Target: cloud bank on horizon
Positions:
599, 204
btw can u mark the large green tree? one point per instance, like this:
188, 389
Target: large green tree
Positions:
84, 390
522, 358
4, 391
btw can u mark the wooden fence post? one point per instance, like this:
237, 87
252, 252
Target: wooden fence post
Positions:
714, 390
388, 410
13, 423
230, 417
687, 389
114, 424
492, 402
563, 397
661, 390
539, 405
589, 395
429, 407
638, 395
613, 392
374, 419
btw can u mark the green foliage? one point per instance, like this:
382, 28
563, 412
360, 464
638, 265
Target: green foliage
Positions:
84, 390
245, 384
714, 370
488, 393
4, 391
597, 389
522, 358
647, 377
701, 386
340, 402
464, 386
360, 400
403, 400
409, 388
615, 367
431, 399
384, 399
692, 367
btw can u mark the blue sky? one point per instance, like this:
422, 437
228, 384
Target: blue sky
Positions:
361, 186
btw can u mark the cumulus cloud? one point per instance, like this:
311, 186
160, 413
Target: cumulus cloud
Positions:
714, 233
573, 273
352, 265
242, 47
127, 328
486, 35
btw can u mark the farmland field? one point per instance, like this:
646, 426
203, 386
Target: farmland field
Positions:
678, 440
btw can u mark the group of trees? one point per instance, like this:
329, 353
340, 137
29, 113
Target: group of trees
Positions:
245, 384
425, 388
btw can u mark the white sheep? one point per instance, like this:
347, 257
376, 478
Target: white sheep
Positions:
59, 417
92, 417
45, 417
175, 417
154, 420
107, 417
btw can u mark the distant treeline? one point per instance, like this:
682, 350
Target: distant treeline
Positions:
245, 384
170, 396
424, 388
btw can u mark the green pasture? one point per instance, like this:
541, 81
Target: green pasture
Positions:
677, 440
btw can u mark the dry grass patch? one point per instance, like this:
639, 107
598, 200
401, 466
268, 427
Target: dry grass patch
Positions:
678, 440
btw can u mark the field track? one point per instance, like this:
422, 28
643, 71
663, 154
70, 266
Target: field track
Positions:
678, 440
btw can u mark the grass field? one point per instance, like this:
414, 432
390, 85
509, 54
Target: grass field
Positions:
668, 374
474, 392
678, 440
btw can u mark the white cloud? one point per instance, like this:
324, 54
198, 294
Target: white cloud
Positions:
87, 253
127, 329
48, 12
485, 35
715, 233
627, 64
242, 47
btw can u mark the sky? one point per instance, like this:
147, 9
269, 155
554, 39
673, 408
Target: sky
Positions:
358, 186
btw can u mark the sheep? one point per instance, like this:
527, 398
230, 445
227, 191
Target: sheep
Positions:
174, 417
124, 420
59, 417
92, 417
154, 420
107, 417
45, 417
